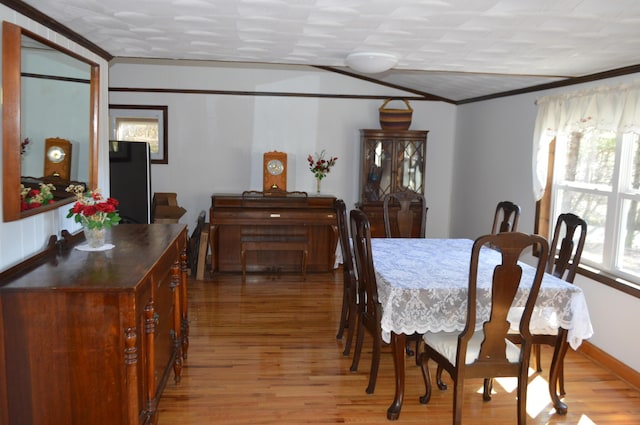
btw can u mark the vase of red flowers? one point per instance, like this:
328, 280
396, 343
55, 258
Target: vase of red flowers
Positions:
320, 166
94, 212
31, 198
95, 237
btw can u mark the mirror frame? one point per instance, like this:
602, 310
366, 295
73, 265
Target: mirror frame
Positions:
11, 163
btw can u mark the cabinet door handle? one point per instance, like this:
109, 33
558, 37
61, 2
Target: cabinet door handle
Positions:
274, 215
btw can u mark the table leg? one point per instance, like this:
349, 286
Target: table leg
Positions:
559, 351
398, 344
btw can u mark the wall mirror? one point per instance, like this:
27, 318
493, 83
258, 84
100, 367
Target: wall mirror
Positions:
49, 121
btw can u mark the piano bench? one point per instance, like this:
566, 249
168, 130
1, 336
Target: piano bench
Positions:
273, 243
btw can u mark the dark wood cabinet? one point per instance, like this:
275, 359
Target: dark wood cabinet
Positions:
297, 215
93, 337
391, 161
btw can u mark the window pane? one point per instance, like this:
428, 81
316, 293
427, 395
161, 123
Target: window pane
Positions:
634, 157
593, 209
411, 166
629, 249
589, 158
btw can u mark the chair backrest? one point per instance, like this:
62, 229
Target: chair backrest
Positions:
193, 248
506, 217
404, 217
566, 258
345, 242
369, 305
506, 278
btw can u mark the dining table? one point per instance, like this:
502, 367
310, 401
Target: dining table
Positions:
423, 287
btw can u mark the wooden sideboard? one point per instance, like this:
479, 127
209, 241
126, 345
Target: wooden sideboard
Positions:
92, 337
232, 217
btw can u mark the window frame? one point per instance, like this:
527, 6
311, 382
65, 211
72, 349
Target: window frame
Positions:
544, 223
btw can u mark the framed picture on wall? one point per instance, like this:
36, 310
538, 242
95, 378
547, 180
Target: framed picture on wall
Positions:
141, 123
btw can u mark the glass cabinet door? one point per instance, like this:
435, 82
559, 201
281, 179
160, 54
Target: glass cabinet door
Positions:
392, 161
378, 154
410, 166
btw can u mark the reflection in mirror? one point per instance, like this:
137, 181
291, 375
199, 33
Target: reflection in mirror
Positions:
49, 122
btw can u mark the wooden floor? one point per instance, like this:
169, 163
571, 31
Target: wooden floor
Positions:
265, 352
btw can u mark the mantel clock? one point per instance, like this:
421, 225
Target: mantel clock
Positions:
274, 171
57, 158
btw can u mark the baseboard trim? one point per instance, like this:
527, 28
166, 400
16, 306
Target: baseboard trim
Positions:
623, 371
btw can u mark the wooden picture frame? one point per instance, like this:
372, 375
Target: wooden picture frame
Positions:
142, 123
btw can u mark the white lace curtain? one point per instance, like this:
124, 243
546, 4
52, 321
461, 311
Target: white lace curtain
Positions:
615, 109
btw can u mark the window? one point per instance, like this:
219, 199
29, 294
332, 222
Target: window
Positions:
597, 176
586, 150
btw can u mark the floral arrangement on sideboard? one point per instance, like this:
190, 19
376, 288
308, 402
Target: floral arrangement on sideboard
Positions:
31, 198
92, 209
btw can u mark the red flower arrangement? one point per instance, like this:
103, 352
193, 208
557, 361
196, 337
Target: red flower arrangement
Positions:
320, 166
33, 198
92, 210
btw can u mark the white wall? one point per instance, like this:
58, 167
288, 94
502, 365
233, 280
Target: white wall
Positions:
20, 239
216, 141
493, 163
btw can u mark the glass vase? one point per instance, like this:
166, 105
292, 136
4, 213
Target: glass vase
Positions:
95, 237
318, 185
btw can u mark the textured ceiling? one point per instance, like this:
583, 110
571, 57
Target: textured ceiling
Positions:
456, 49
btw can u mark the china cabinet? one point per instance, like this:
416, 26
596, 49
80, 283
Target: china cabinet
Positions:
392, 161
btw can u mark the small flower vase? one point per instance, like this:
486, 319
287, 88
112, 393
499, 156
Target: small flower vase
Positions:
95, 237
318, 185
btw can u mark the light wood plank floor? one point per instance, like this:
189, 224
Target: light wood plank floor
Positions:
265, 352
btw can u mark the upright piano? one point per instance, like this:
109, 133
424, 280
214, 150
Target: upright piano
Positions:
233, 217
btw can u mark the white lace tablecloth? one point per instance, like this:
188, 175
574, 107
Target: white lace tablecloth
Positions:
422, 286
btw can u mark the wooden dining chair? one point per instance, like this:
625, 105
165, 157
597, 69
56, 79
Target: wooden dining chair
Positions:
401, 222
369, 308
485, 352
506, 217
563, 263
565, 259
193, 247
348, 314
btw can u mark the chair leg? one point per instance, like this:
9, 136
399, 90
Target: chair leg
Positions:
561, 379
488, 389
351, 329
536, 352
439, 381
427, 379
344, 313
375, 364
458, 398
522, 397
358, 347
408, 350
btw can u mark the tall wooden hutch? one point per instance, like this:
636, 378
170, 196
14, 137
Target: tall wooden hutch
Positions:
392, 161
